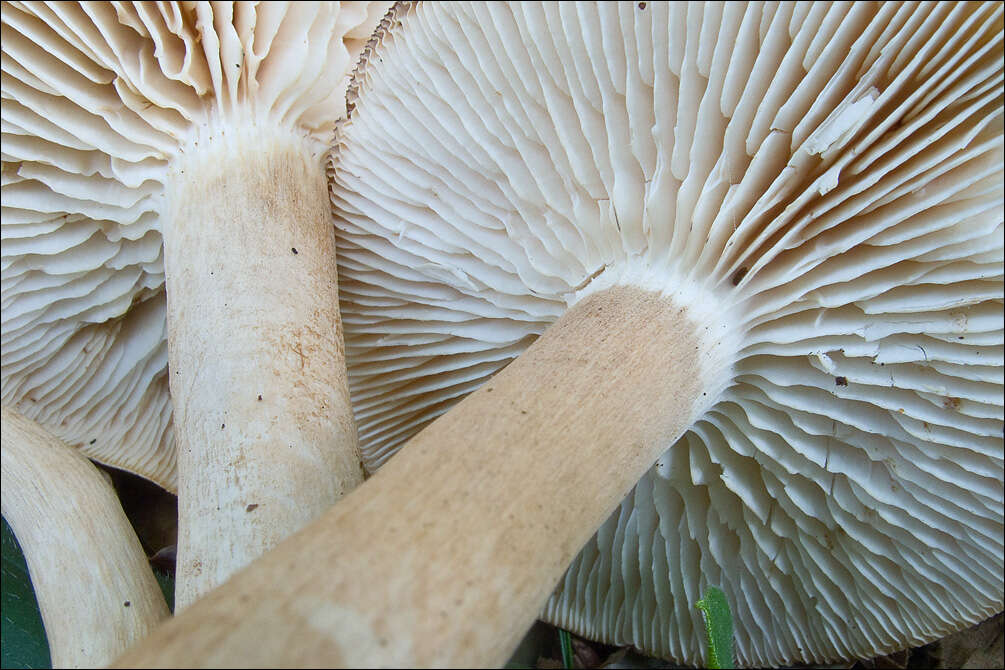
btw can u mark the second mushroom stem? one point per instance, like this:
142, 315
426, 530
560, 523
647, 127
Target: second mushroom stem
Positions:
265, 435
95, 589
446, 555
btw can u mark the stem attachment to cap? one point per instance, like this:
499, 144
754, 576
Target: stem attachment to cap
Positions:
448, 553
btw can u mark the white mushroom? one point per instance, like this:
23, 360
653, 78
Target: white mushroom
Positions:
762, 245
201, 126
823, 183
95, 589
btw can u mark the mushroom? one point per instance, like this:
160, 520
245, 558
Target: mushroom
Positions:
762, 246
95, 589
200, 127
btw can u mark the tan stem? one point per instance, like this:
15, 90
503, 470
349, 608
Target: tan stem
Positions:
94, 586
447, 554
265, 435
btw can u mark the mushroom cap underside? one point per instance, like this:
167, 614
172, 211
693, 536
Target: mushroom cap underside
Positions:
99, 100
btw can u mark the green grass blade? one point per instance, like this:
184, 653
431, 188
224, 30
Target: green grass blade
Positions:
718, 628
566, 641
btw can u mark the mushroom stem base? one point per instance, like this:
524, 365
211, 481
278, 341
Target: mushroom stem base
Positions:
446, 555
265, 435
95, 588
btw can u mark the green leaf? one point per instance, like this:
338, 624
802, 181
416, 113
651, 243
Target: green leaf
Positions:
718, 628
166, 582
22, 637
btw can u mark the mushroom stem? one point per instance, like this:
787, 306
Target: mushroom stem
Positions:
94, 585
446, 555
265, 435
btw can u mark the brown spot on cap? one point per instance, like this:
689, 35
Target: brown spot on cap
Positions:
951, 402
251, 508
841, 381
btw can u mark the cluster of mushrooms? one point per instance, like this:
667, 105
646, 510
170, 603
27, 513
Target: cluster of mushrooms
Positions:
608, 302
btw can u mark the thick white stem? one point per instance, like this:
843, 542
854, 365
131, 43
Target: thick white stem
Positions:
446, 555
94, 586
265, 435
